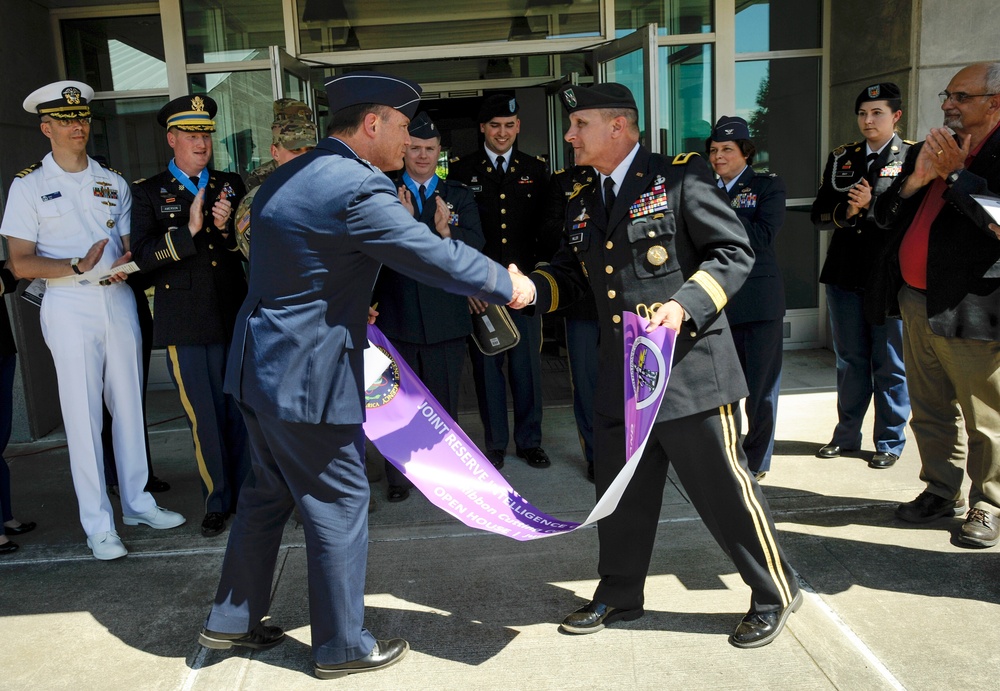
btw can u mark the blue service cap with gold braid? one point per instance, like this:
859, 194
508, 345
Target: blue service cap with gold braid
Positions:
192, 113
355, 88
65, 100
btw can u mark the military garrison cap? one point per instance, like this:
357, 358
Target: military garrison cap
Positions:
192, 113
883, 91
609, 95
730, 128
293, 127
422, 127
360, 87
66, 100
497, 106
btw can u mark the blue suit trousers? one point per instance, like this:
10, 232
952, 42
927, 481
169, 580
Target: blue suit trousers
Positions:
759, 346
869, 365
320, 469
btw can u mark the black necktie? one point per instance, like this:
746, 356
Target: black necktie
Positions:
500, 163
423, 198
609, 195
871, 164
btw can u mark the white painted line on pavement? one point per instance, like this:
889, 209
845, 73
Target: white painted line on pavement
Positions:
849, 634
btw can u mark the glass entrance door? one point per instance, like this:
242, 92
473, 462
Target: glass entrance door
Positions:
632, 61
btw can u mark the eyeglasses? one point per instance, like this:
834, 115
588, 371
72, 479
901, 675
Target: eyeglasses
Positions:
71, 123
960, 96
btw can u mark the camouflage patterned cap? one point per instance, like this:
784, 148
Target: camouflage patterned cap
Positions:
293, 127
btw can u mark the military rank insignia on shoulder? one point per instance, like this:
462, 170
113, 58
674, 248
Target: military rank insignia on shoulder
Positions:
116, 172
682, 159
909, 141
29, 170
454, 159
139, 181
840, 150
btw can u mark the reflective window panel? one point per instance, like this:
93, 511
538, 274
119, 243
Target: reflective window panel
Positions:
765, 25
116, 53
672, 17
336, 25
242, 139
124, 134
686, 97
231, 30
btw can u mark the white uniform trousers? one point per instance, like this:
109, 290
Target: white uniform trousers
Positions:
93, 334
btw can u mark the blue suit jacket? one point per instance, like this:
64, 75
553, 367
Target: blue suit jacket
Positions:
323, 225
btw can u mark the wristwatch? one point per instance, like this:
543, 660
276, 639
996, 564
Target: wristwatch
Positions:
952, 177
74, 264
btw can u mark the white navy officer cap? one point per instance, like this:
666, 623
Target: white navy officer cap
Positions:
381, 89
65, 100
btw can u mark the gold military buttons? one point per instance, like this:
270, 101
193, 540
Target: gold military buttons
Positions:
609, 245
611, 294
609, 269
576, 249
693, 334
616, 319
215, 263
651, 234
504, 226
504, 241
211, 247
503, 211
166, 285
503, 196
171, 215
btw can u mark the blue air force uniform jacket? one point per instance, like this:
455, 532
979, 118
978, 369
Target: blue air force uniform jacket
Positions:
511, 204
759, 202
857, 243
670, 235
413, 312
323, 225
963, 260
200, 283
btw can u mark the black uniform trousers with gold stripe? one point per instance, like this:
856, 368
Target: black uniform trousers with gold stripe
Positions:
217, 427
705, 451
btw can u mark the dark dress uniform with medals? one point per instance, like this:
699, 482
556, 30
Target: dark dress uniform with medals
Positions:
200, 284
756, 313
428, 325
511, 204
669, 236
869, 353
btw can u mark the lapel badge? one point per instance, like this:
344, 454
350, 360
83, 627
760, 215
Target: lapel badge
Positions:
583, 215
659, 180
657, 255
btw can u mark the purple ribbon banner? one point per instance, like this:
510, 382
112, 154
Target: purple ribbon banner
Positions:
414, 433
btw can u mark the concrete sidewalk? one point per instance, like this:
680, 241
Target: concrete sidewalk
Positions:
888, 605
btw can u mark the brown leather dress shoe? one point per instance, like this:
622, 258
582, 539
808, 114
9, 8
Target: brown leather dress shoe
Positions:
594, 616
760, 628
981, 529
928, 507
384, 654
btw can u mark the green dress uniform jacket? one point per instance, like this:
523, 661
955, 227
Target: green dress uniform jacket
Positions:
511, 204
200, 282
670, 235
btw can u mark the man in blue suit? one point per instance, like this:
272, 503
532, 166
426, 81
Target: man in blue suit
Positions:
324, 223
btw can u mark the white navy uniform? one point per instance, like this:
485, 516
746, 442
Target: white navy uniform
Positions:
91, 330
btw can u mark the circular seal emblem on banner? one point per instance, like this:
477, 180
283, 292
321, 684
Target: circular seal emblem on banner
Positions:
386, 387
646, 372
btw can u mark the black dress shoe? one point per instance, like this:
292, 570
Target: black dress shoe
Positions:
213, 524
829, 451
21, 529
155, 484
594, 616
384, 654
535, 456
883, 459
397, 493
759, 629
496, 458
928, 507
9, 547
260, 638
981, 529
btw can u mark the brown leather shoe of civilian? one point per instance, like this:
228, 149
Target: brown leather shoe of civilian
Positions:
981, 529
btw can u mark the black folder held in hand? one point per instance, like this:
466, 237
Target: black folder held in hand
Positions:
494, 330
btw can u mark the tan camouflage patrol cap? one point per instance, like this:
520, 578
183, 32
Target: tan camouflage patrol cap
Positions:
293, 127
